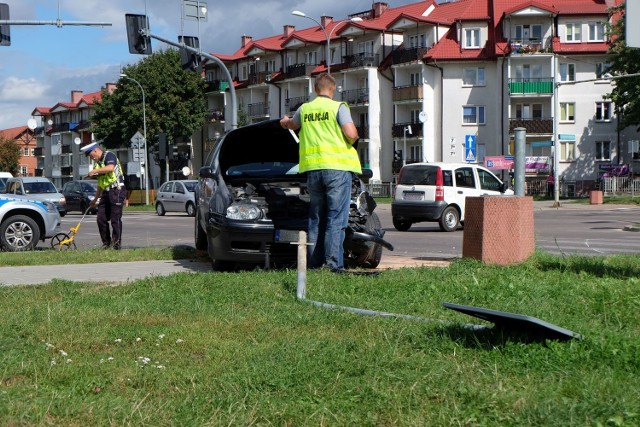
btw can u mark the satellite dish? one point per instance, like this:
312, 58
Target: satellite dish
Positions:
77, 140
422, 117
49, 122
186, 171
32, 124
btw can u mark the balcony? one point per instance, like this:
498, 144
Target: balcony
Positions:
66, 149
356, 96
259, 78
259, 109
66, 171
533, 126
83, 125
398, 129
216, 115
292, 104
299, 70
38, 151
531, 46
39, 172
521, 86
400, 56
361, 60
61, 127
407, 93
216, 86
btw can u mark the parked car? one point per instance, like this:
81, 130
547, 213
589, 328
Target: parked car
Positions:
36, 188
252, 202
23, 223
4, 176
177, 196
79, 194
436, 192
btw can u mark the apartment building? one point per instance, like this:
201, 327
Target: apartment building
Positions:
425, 80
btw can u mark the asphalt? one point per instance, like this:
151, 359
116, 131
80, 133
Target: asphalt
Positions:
123, 272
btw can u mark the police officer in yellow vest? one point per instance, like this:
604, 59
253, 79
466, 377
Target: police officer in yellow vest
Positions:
327, 155
111, 194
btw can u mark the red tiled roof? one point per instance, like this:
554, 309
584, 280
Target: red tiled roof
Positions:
14, 133
537, 4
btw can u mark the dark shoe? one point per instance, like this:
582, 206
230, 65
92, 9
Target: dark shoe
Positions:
106, 246
116, 247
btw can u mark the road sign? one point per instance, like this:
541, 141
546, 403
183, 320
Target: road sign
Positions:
470, 148
137, 145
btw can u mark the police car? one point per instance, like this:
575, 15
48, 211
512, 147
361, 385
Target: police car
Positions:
25, 222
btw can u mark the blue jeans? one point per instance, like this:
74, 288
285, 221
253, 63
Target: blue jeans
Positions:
330, 197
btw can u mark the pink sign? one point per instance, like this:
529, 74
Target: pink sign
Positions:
498, 162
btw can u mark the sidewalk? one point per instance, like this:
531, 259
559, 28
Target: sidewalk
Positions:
122, 272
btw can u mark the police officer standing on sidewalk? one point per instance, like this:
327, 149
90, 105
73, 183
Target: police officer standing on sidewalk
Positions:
111, 194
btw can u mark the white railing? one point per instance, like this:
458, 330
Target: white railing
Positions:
620, 185
381, 189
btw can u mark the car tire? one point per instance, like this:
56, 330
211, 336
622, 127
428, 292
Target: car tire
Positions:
372, 257
200, 235
83, 207
401, 225
219, 265
191, 209
62, 214
450, 219
19, 233
160, 209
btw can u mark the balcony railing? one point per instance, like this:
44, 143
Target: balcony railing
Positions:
397, 130
60, 127
258, 109
292, 104
38, 151
361, 60
531, 46
533, 126
216, 86
542, 85
299, 70
356, 96
259, 78
406, 93
400, 56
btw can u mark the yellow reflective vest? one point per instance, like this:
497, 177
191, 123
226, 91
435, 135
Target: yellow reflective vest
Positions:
322, 143
108, 179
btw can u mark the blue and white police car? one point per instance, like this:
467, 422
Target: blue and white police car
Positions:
25, 222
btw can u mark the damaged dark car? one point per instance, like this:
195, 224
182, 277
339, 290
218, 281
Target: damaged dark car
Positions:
252, 203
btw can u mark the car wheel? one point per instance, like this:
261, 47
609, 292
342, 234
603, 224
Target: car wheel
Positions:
62, 214
160, 209
19, 233
191, 209
83, 207
219, 265
200, 235
401, 225
449, 219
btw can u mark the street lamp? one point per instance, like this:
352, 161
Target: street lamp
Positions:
145, 174
324, 30
556, 117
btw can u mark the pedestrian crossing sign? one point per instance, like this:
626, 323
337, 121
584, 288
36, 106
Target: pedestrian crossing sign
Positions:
470, 148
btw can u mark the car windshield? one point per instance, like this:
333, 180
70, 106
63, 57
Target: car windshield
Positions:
39, 188
89, 187
191, 185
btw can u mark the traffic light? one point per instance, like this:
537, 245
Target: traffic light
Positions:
161, 140
5, 37
138, 43
190, 61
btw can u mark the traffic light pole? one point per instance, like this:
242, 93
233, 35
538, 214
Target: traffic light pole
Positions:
232, 90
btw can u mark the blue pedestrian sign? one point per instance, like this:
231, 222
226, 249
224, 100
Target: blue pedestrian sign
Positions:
470, 148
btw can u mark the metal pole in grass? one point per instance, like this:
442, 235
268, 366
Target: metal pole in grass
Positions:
301, 290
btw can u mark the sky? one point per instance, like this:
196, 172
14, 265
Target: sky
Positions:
45, 63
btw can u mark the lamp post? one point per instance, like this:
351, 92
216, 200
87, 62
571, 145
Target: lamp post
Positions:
145, 175
556, 117
327, 35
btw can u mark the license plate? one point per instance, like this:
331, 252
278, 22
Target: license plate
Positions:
286, 236
413, 195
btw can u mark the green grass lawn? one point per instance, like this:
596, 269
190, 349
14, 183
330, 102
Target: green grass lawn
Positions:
239, 349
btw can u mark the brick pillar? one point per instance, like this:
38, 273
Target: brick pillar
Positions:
498, 230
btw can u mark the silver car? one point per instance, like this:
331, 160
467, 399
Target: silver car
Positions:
23, 223
36, 188
177, 196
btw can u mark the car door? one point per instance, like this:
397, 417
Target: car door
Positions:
489, 184
179, 197
72, 195
164, 195
465, 186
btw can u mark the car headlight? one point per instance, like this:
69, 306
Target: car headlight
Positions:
243, 211
50, 207
62, 201
361, 203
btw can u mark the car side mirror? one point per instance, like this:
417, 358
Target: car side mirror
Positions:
504, 187
206, 172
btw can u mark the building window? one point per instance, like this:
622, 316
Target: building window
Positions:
311, 58
527, 33
366, 47
567, 151
567, 112
574, 31
568, 72
473, 115
419, 40
33, 152
603, 111
472, 38
243, 72
473, 77
596, 32
416, 153
603, 150
23, 170
416, 79
25, 152
528, 111
602, 68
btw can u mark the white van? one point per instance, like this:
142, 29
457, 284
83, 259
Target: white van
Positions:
430, 192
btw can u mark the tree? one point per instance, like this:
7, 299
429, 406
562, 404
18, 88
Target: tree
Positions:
175, 102
9, 155
626, 60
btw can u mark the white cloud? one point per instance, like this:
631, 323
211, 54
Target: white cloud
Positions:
15, 89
